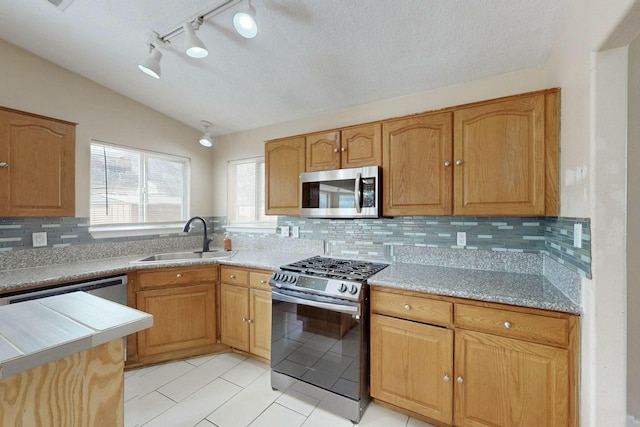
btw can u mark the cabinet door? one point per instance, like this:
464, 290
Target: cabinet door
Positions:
499, 153
507, 382
323, 151
417, 154
361, 146
37, 176
234, 316
260, 326
183, 318
411, 366
284, 162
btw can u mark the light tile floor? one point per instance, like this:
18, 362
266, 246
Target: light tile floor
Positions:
229, 390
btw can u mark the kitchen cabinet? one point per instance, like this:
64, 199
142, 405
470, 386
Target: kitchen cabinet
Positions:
37, 166
348, 148
469, 363
284, 162
245, 310
505, 157
182, 301
417, 153
496, 157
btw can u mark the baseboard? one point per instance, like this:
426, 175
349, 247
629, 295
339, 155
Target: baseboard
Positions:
632, 422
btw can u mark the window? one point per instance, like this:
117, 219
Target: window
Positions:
131, 186
246, 202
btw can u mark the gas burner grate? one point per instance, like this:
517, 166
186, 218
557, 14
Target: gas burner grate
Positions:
335, 268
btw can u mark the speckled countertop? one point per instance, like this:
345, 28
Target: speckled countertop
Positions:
527, 290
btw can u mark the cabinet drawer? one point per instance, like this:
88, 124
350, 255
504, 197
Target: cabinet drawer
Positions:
260, 280
531, 327
176, 276
234, 276
412, 307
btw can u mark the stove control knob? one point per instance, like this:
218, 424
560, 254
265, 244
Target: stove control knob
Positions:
277, 277
342, 287
353, 290
292, 279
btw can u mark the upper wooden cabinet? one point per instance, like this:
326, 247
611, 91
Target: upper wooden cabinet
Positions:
499, 158
349, 148
417, 172
37, 166
284, 162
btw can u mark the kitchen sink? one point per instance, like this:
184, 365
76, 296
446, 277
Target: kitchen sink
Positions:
185, 256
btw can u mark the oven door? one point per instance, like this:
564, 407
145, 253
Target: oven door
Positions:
320, 342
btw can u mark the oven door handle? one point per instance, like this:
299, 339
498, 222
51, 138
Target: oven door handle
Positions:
347, 309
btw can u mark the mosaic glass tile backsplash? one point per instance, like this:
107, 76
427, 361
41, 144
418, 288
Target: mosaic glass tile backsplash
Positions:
377, 238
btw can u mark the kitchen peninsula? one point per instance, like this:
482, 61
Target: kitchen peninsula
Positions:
62, 360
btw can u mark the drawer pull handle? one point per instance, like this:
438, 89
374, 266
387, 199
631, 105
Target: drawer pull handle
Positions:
232, 276
507, 325
178, 275
446, 378
407, 307
460, 380
262, 282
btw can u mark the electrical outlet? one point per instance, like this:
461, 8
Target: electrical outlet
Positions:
461, 239
39, 239
577, 235
284, 231
295, 231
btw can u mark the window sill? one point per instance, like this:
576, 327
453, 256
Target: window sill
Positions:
132, 230
252, 228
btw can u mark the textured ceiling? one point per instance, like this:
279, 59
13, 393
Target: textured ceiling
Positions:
310, 56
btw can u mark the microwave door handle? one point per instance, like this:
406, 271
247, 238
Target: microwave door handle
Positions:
358, 192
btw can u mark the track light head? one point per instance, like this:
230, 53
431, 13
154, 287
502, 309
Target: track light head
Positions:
151, 64
193, 45
206, 140
245, 23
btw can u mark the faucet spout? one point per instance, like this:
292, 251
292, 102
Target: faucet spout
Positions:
205, 239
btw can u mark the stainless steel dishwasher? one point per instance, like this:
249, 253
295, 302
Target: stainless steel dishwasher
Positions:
112, 288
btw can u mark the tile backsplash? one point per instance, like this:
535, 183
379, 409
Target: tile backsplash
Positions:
375, 238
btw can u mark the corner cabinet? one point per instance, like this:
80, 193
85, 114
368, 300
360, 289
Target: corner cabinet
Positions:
245, 310
284, 162
37, 166
182, 301
467, 363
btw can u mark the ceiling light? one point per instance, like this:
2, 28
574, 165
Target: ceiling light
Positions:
193, 45
245, 22
151, 64
206, 140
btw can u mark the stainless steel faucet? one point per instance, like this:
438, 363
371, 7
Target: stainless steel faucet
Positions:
205, 240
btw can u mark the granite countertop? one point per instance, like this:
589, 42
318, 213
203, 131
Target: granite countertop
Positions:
33, 333
527, 290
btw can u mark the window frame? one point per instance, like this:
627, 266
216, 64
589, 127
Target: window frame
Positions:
143, 228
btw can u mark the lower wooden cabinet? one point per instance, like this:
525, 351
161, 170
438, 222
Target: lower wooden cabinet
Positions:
182, 301
480, 364
245, 310
412, 366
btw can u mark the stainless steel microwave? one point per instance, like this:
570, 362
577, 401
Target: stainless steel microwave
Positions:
341, 193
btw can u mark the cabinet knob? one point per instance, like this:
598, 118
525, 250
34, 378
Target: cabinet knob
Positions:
507, 325
178, 275
244, 319
335, 150
447, 164
250, 321
343, 149
407, 307
232, 276
4, 165
460, 380
262, 282
446, 378
458, 162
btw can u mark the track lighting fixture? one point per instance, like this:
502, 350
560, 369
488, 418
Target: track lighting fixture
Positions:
151, 64
206, 140
193, 45
244, 22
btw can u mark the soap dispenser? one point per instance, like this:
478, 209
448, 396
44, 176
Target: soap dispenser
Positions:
227, 242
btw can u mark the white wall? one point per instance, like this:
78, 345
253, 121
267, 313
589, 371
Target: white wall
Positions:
251, 143
30, 83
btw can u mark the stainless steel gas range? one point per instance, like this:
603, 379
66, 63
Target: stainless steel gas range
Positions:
320, 332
